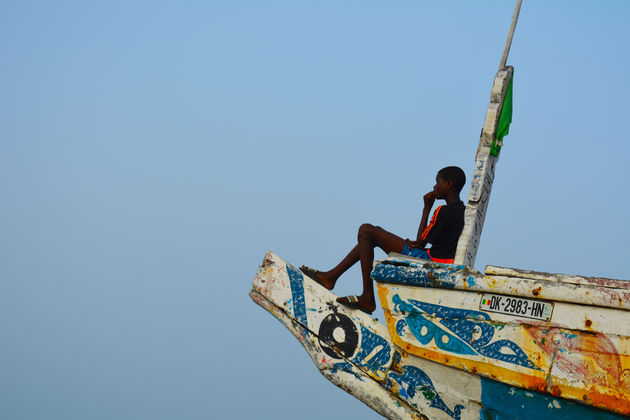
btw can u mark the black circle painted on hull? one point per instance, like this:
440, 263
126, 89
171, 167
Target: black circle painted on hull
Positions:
329, 344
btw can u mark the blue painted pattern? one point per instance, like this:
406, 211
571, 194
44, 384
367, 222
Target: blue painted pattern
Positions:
296, 278
414, 380
469, 326
374, 354
461, 331
346, 367
416, 276
426, 331
426, 274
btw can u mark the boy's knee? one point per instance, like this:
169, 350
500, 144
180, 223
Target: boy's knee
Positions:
365, 230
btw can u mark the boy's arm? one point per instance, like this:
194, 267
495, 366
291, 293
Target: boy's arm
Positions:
429, 199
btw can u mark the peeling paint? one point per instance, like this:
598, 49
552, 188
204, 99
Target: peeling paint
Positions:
423, 273
439, 357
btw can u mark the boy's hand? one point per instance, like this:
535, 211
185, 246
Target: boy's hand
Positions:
412, 244
429, 199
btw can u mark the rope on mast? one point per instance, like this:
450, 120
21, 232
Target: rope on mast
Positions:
508, 42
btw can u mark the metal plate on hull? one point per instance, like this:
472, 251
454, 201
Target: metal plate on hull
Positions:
516, 306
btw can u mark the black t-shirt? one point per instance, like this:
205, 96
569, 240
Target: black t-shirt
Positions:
444, 229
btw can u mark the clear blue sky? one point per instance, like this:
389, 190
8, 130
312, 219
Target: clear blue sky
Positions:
153, 151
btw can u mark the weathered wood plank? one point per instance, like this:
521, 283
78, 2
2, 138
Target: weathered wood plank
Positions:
416, 272
483, 174
565, 278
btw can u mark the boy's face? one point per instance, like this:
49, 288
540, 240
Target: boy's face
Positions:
441, 187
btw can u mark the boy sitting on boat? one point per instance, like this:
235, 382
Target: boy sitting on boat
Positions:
442, 233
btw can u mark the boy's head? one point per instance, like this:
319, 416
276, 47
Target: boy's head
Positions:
455, 175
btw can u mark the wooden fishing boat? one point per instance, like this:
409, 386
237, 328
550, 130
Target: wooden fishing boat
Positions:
461, 344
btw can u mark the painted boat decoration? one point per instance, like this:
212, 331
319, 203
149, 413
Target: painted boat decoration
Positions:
460, 344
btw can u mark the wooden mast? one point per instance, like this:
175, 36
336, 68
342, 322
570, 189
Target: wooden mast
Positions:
485, 161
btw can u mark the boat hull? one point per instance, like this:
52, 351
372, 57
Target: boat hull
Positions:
577, 352
355, 352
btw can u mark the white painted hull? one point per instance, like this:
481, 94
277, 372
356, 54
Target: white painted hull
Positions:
402, 374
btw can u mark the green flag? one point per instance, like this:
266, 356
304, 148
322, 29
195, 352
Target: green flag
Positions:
505, 119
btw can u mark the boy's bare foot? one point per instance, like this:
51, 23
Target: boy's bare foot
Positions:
358, 302
319, 276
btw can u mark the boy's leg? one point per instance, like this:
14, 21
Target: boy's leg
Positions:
369, 237
368, 234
